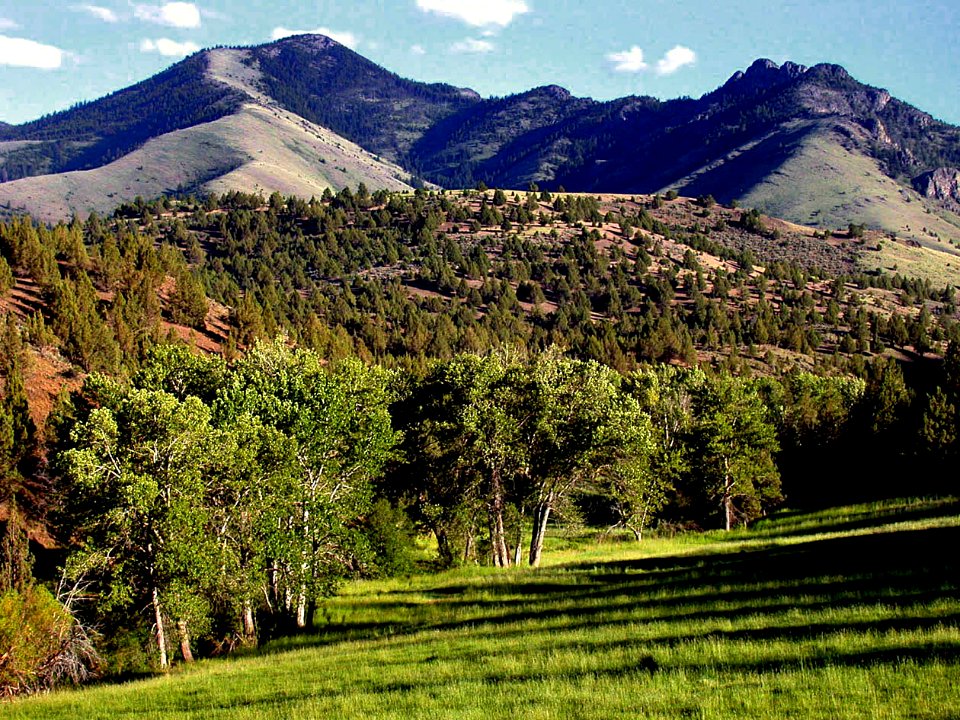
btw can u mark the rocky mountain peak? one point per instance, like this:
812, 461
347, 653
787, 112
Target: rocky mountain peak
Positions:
762, 75
553, 91
311, 43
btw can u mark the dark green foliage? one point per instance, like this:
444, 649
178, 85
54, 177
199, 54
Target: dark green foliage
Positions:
6, 276
188, 303
336, 88
391, 538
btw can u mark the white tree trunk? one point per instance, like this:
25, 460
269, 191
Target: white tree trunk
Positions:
161, 636
249, 628
184, 633
498, 539
728, 509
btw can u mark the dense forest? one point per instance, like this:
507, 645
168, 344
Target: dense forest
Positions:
215, 411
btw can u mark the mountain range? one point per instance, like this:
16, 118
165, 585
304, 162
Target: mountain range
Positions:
812, 145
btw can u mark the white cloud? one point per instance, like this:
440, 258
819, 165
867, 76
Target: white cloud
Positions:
470, 45
344, 38
101, 13
172, 14
19, 52
628, 61
169, 48
478, 13
7, 24
418, 50
675, 59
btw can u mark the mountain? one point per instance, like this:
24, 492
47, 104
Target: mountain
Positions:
203, 125
812, 145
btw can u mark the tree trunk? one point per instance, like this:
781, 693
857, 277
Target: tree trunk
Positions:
184, 640
498, 540
518, 547
302, 609
728, 511
468, 548
249, 627
443, 547
161, 637
638, 531
541, 514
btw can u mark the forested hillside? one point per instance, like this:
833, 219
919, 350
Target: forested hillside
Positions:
217, 411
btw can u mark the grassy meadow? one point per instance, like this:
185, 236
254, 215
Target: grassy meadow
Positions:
846, 613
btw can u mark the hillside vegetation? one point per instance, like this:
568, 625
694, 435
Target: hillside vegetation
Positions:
220, 411
850, 612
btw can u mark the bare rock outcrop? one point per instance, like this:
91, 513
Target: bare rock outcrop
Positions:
941, 184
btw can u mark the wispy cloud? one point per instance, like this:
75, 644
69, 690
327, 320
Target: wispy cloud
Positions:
628, 61
345, 38
169, 48
20, 52
7, 24
478, 13
101, 13
472, 45
675, 59
418, 50
172, 14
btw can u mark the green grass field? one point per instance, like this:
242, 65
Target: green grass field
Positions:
845, 613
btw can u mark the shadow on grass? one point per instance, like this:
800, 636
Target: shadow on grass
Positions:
785, 527
899, 569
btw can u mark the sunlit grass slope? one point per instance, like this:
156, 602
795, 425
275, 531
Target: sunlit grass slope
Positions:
846, 613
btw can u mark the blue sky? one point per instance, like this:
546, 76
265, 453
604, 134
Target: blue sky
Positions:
54, 53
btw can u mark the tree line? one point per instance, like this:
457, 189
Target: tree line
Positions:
207, 504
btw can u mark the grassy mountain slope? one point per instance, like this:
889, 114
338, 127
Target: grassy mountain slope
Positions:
848, 612
258, 146
96, 133
809, 171
253, 149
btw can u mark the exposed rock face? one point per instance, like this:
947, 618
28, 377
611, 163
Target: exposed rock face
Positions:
941, 184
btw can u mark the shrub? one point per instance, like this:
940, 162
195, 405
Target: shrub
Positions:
391, 538
33, 628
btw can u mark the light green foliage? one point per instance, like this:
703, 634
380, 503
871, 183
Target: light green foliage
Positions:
644, 486
34, 627
137, 497
181, 372
203, 491
503, 432
581, 425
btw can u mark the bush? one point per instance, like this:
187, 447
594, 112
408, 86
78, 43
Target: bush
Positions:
35, 629
391, 537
